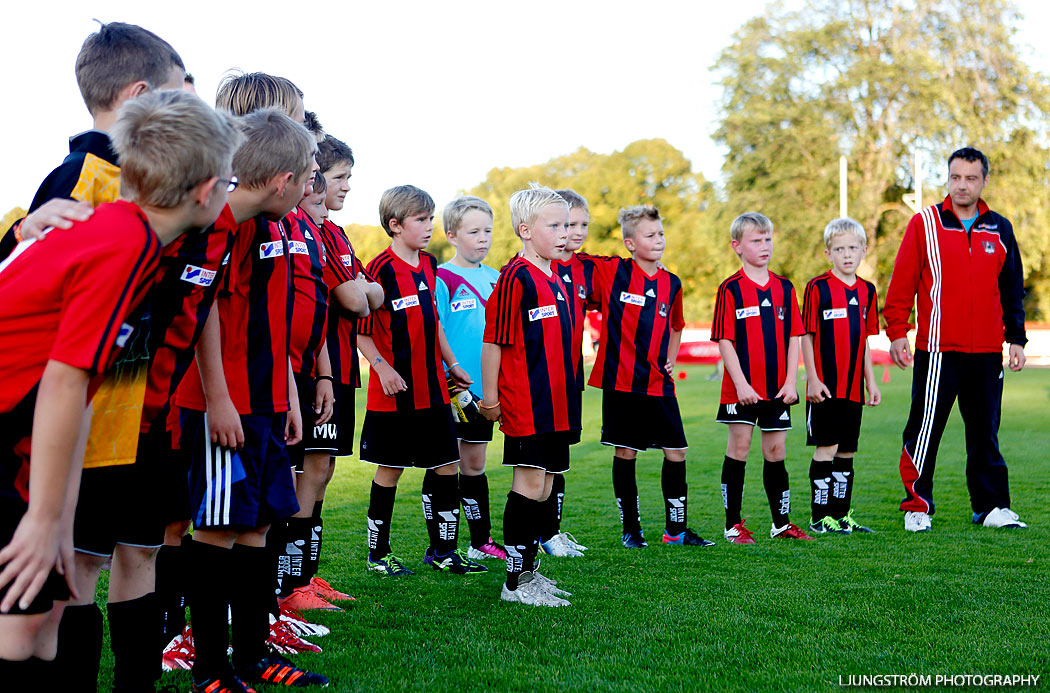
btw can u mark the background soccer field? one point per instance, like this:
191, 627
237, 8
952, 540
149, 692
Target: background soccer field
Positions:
778, 615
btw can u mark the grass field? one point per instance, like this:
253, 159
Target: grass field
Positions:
774, 616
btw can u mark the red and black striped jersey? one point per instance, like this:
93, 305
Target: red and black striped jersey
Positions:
255, 309
760, 321
405, 331
310, 305
640, 312
532, 317
192, 270
577, 277
342, 325
841, 317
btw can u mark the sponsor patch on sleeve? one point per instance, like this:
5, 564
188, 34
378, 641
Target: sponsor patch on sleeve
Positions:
197, 275
405, 302
543, 312
834, 313
348, 260
463, 304
749, 312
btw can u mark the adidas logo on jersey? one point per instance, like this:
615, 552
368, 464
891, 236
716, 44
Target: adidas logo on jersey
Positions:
306, 232
853, 301
567, 278
650, 293
422, 285
766, 303
560, 297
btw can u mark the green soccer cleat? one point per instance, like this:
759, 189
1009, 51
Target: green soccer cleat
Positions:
853, 526
455, 562
388, 566
828, 525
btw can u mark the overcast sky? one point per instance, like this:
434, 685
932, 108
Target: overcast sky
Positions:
430, 93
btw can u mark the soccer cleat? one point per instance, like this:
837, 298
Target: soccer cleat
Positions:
853, 526
739, 534
489, 549
550, 585
455, 562
1002, 518
915, 521
388, 566
687, 538
571, 541
227, 683
179, 652
530, 591
275, 669
284, 639
789, 531
304, 598
632, 540
324, 590
300, 626
557, 546
828, 525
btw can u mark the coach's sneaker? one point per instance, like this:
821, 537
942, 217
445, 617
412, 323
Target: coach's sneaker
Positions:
915, 521
300, 626
557, 546
324, 590
227, 683
273, 668
388, 566
285, 640
789, 531
530, 591
453, 562
739, 534
304, 598
633, 540
550, 585
853, 526
1001, 517
490, 549
179, 652
687, 538
828, 525
571, 541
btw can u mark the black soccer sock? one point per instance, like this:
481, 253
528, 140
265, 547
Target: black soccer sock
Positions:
446, 513
313, 556
79, 648
474, 493
429, 482
775, 479
208, 585
547, 522
318, 506
733, 489
294, 547
672, 479
170, 591
625, 486
136, 659
517, 535
380, 512
249, 604
820, 485
558, 494
842, 487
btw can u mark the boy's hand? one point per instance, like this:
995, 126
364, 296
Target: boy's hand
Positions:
460, 377
745, 394
28, 559
293, 427
816, 391
788, 393
225, 424
1017, 357
324, 398
392, 382
900, 352
669, 367
874, 395
56, 212
494, 414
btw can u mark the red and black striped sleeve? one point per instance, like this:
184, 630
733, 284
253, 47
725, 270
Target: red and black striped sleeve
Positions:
810, 305
724, 324
872, 322
503, 314
677, 313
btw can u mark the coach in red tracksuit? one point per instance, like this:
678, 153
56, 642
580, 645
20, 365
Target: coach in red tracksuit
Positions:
961, 260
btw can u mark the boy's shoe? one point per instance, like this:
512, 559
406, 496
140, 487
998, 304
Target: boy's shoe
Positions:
300, 626
633, 540
687, 538
273, 668
571, 541
455, 562
227, 683
304, 598
739, 534
530, 591
323, 589
557, 546
915, 521
1002, 517
853, 526
828, 525
789, 531
388, 566
550, 585
179, 652
285, 640
489, 549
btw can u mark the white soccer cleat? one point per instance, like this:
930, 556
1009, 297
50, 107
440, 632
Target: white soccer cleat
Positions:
915, 521
530, 591
550, 585
571, 541
559, 546
1003, 517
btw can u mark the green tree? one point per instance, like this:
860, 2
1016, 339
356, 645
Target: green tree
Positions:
879, 81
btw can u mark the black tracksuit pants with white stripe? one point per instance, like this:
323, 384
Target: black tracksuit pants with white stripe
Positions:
938, 379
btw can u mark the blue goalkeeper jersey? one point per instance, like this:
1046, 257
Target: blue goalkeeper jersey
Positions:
461, 298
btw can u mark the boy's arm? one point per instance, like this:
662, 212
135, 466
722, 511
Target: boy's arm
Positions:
745, 394
816, 391
788, 391
392, 382
351, 296
673, 345
491, 356
293, 425
454, 369
34, 549
874, 393
324, 387
373, 291
224, 422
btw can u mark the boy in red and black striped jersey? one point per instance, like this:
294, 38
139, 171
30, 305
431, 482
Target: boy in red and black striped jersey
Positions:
529, 377
107, 264
756, 327
840, 311
642, 330
407, 391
